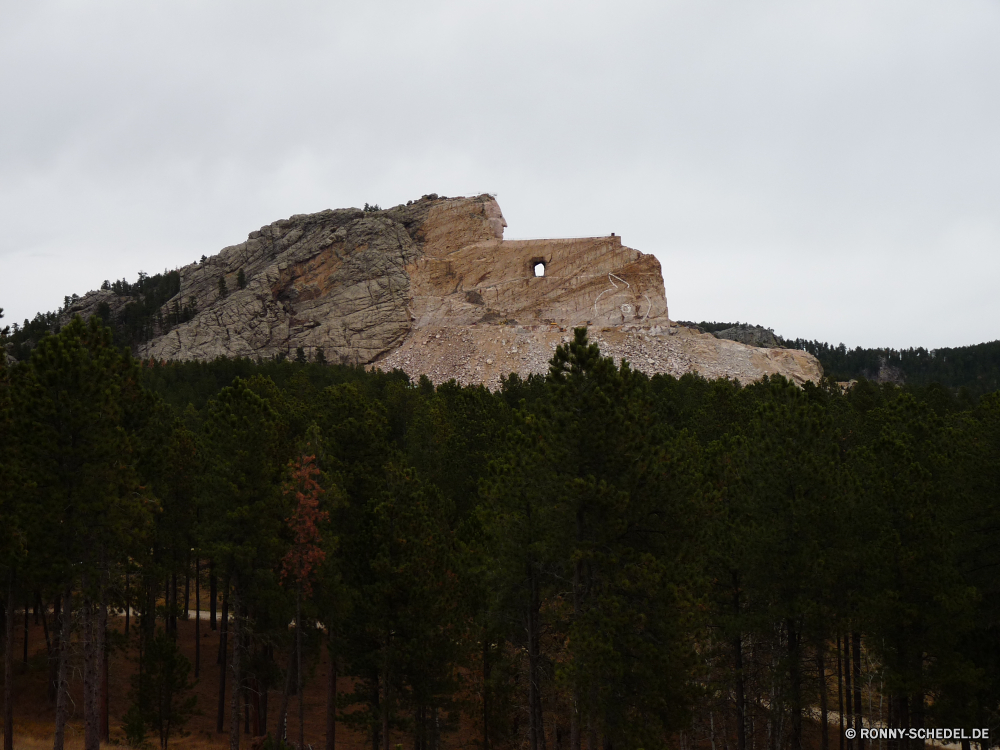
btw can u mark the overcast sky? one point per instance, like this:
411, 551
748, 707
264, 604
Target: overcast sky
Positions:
827, 169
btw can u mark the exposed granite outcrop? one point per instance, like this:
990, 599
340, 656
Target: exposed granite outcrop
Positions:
752, 335
433, 288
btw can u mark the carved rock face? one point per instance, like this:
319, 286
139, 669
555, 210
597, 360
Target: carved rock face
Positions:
368, 287
495, 216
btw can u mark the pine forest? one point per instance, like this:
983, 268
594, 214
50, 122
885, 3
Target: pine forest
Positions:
291, 554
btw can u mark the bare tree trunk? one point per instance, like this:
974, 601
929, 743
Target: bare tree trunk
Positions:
197, 616
8, 665
265, 690
899, 716
54, 650
254, 686
821, 672
102, 633
24, 659
62, 691
741, 694
214, 594
234, 718
331, 698
856, 637
795, 680
289, 682
840, 691
486, 691
149, 616
575, 737
916, 704
223, 638
187, 587
91, 673
173, 602
40, 608
574, 709
298, 666
848, 702
376, 704
385, 697
419, 728
536, 734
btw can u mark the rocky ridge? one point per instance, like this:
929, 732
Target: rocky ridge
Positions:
752, 335
432, 287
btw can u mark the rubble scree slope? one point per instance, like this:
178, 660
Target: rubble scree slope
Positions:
432, 287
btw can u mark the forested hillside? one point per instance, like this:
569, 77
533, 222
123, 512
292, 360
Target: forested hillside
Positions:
138, 315
974, 369
593, 558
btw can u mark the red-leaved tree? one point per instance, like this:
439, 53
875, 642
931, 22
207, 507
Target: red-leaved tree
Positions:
303, 557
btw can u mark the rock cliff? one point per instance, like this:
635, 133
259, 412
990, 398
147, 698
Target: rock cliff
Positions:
752, 335
433, 288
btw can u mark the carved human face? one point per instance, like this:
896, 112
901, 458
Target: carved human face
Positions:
495, 217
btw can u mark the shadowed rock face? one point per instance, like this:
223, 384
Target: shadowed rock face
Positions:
752, 335
336, 280
375, 287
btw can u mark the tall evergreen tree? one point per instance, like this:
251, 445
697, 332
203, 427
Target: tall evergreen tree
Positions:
244, 518
585, 494
790, 479
73, 398
626, 536
12, 539
921, 605
306, 552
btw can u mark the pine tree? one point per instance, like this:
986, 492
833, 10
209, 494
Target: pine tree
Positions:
306, 552
406, 620
791, 554
616, 488
12, 539
75, 397
919, 602
160, 691
969, 694
518, 523
244, 517
584, 499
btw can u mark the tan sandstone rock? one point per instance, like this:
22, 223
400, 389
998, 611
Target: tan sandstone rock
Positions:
433, 288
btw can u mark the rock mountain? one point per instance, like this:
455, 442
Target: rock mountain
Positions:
433, 288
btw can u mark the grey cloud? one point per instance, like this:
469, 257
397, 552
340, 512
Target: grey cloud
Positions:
827, 168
